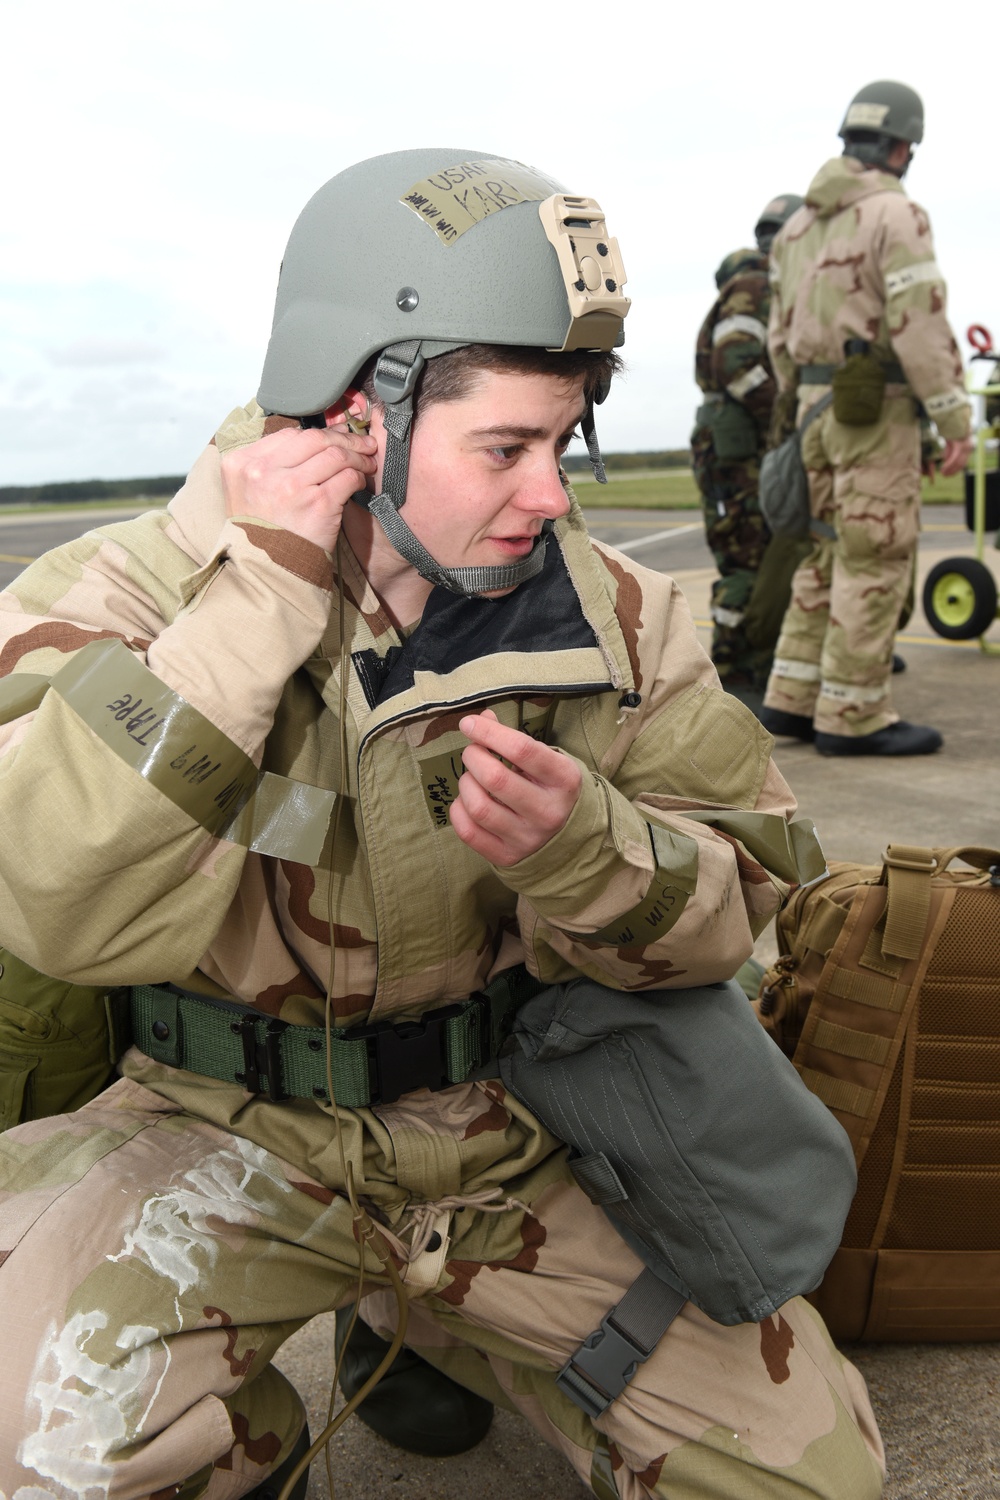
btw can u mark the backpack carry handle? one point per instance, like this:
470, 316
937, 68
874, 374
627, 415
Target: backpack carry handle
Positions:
977, 855
907, 870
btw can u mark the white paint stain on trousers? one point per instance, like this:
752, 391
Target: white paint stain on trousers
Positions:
87, 1411
173, 1235
82, 1406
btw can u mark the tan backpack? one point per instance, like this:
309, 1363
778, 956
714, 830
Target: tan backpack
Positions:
887, 998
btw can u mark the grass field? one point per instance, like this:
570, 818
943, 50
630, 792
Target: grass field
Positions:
675, 489
650, 489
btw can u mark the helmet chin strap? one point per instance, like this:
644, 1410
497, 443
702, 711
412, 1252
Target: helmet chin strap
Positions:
395, 378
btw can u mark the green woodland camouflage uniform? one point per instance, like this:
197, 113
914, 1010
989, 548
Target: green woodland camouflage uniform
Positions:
857, 261
158, 1245
732, 369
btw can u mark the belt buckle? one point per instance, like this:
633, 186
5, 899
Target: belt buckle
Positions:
408, 1055
261, 1058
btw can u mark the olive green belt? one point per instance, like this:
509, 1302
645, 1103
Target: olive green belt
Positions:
823, 374
373, 1064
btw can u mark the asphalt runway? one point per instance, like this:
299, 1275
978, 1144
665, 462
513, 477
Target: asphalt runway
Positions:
670, 541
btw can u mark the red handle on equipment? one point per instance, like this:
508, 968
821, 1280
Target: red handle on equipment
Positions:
980, 338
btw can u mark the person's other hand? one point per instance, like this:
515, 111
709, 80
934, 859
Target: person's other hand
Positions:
299, 478
506, 812
956, 455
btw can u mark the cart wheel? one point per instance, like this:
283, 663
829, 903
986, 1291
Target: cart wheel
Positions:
960, 598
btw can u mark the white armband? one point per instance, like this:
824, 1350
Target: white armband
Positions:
747, 382
901, 281
939, 406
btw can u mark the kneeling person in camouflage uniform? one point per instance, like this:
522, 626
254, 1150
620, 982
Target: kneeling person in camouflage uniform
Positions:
364, 720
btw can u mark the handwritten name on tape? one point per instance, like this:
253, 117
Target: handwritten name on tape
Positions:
456, 199
439, 776
157, 732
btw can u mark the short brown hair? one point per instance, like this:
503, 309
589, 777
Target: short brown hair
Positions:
449, 377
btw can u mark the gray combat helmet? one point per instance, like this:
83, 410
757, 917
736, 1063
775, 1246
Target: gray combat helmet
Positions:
773, 216
416, 253
877, 117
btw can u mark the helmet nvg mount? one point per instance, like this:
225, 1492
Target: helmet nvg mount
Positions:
773, 216
877, 117
413, 254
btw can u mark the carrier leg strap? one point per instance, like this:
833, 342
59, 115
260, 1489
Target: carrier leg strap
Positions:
608, 1358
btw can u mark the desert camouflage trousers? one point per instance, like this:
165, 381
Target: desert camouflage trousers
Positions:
833, 661
156, 1249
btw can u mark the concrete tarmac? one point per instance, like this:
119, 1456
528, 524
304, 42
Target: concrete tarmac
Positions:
937, 1405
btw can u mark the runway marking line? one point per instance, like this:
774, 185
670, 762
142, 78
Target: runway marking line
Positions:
655, 536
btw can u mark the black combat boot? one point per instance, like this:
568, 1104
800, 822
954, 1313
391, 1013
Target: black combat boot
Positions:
271, 1487
898, 664
896, 739
787, 726
414, 1405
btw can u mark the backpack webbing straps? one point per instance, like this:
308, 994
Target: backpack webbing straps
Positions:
607, 1359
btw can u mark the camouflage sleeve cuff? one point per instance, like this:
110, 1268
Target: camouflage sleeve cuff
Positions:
608, 868
951, 414
251, 617
287, 550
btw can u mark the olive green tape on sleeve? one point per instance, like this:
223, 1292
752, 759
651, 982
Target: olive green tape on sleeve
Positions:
789, 850
20, 693
285, 819
156, 732
674, 880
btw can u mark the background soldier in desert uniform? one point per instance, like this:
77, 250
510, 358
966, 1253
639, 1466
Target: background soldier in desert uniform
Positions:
859, 307
733, 371
483, 742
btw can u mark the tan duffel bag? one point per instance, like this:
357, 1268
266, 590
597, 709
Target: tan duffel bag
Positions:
887, 998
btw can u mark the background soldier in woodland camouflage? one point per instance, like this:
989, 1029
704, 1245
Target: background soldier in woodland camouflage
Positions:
858, 322
730, 435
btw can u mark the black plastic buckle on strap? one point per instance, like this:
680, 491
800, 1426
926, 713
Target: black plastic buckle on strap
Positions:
261, 1059
406, 1055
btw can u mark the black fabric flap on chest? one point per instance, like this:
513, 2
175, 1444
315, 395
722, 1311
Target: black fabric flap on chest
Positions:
543, 614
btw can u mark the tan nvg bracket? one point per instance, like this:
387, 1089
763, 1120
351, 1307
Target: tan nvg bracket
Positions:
592, 269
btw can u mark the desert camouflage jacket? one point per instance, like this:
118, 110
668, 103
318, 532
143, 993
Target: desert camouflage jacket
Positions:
857, 261
731, 352
173, 747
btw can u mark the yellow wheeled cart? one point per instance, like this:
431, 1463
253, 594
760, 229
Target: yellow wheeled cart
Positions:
960, 593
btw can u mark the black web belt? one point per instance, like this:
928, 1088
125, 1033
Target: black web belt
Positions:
373, 1064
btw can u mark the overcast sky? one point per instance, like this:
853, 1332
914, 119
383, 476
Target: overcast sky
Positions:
156, 156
